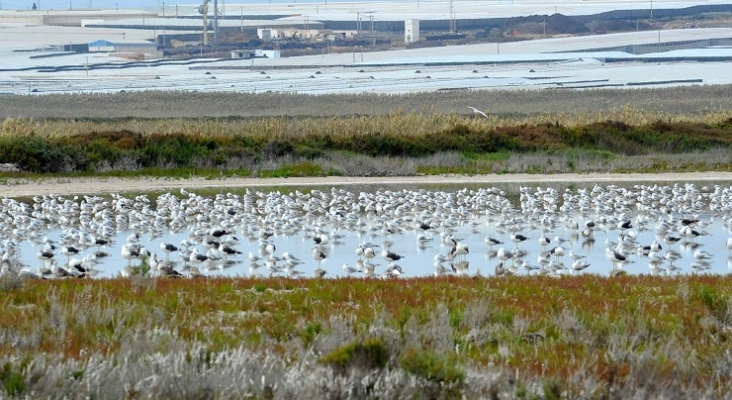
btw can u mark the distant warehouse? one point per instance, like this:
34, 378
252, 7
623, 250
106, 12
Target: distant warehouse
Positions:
129, 47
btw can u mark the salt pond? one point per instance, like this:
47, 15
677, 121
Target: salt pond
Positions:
374, 214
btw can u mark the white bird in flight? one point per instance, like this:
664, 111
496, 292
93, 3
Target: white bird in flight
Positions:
475, 110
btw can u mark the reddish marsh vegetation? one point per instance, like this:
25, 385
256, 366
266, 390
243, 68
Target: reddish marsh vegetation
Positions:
528, 337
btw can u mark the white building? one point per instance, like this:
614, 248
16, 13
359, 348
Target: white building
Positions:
411, 31
243, 54
259, 53
268, 34
122, 46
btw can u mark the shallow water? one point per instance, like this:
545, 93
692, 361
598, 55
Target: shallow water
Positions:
418, 260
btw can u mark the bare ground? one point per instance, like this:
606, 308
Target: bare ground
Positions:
154, 104
93, 186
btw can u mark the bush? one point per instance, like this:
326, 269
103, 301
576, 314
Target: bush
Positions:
717, 304
12, 380
35, 154
368, 355
277, 148
432, 367
311, 331
260, 287
10, 282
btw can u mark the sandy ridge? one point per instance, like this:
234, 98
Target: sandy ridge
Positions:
91, 186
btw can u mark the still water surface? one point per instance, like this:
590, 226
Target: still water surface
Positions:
419, 256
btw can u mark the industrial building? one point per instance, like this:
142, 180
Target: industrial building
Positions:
122, 47
339, 17
268, 34
258, 53
411, 31
250, 27
67, 17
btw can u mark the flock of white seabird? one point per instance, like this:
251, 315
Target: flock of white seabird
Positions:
678, 215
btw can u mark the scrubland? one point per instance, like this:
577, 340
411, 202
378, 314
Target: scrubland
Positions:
525, 337
398, 143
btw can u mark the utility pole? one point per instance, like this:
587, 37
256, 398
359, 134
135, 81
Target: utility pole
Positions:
452, 21
216, 24
204, 10
544, 27
651, 9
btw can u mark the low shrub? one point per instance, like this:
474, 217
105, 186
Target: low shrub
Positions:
10, 282
12, 380
367, 355
432, 367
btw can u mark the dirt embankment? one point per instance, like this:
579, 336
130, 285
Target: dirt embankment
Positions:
92, 186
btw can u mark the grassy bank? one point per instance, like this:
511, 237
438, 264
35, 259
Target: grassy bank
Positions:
530, 337
393, 144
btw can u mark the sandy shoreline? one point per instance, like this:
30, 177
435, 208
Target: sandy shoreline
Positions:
66, 186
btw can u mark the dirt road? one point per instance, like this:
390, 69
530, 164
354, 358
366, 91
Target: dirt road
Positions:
66, 186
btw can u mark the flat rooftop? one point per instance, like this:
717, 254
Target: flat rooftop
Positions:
195, 24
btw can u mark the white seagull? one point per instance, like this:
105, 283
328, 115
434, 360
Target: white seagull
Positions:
476, 111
